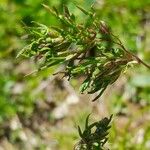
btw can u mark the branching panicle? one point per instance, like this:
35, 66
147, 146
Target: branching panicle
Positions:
71, 44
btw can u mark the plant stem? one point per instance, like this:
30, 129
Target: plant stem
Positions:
131, 54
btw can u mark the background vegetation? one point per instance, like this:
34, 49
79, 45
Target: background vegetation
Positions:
41, 111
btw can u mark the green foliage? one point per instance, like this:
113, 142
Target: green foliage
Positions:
94, 135
128, 19
71, 44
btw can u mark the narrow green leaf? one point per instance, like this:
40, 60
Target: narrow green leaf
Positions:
80, 132
55, 10
99, 95
49, 9
84, 85
87, 121
83, 10
54, 63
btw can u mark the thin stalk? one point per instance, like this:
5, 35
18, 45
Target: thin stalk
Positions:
131, 54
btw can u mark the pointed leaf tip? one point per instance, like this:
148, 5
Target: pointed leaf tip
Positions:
49, 9
80, 132
87, 121
83, 10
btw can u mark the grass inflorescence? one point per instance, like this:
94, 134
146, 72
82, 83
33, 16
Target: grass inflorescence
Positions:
89, 49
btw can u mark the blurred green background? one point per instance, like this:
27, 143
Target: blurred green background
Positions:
41, 111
